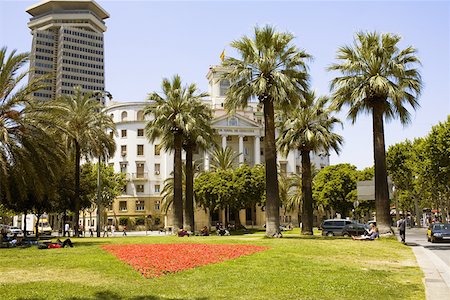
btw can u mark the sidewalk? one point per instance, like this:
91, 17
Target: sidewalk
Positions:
436, 271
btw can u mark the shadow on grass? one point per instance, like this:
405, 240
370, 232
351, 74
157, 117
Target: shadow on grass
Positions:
108, 295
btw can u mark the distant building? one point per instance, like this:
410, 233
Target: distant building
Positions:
68, 43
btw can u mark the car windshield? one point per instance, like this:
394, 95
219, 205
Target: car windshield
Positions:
442, 227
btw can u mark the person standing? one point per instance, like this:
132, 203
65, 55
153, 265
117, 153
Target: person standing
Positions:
124, 230
66, 230
402, 229
113, 229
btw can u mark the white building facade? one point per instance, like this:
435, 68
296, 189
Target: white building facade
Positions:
147, 166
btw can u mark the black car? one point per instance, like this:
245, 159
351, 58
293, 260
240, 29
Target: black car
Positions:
438, 232
332, 227
354, 229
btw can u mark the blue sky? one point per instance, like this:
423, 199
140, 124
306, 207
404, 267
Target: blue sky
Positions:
149, 40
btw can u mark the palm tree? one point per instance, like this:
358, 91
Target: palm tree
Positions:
84, 124
274, 71
308, 129
198, 136
171, 120
378, 78
29, 155
223, 158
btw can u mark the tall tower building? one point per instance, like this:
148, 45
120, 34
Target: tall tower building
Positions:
68, 43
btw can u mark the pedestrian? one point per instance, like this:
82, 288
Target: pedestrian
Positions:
66, 230
402, 229
91, 232
105, 231
124, 230
113, 229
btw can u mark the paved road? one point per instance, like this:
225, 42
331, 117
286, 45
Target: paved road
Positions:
434, 259
418, 236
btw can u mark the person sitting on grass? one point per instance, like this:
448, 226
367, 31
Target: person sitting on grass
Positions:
371, 235
204, 231
183, 232
59, 244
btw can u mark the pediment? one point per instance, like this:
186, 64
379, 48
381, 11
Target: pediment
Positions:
234, 121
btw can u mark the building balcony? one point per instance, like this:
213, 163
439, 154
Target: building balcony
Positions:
140, 176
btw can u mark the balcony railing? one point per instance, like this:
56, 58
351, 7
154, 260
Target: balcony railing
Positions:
139, 176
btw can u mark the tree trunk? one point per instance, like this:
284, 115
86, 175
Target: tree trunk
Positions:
25, 224
272, 195
77, 188
99, 197
307, 212
177, 184
382, 201
237, 220
189, 202
36, 226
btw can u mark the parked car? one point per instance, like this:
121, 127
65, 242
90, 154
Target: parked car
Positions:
438, 232
354, 229
14, 230
371, 222
332, 227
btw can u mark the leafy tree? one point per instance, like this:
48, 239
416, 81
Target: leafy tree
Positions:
380, 79
172, 120
308, 129
230, 189
273, 70
84, 126
335, 186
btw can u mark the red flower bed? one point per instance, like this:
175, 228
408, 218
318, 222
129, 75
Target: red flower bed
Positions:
154, 260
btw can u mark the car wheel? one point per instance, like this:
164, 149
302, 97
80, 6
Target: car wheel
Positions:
330, 233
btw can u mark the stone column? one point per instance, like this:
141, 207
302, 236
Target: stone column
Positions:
257, 150
224, 141
206, 158
241, 149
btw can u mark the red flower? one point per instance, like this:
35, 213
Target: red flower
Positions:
154, 260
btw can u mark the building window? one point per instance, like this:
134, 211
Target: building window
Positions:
140, 149
224, 85
139, 188
157, 188
123, 167
123, 205
157, 150
123, 133
157, 169
140, 115
245, 138
245, 151
157, 205
123, 150
111, 134
140, 170
140, 206
283, 167
229, 138
261, 152
124, 116
140, 132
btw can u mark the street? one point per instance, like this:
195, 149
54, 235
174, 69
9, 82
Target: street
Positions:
434, 260
417, 236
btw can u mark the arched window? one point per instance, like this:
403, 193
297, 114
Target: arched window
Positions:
140, 115
124, 116
224, 85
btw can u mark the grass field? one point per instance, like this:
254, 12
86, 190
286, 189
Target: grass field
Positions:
293, 268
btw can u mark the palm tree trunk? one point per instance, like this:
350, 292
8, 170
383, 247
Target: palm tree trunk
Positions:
307, 212
272, 196
382, 201
189, 203
177, 184
77, 187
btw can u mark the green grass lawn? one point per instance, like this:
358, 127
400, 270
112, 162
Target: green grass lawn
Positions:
294, 268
